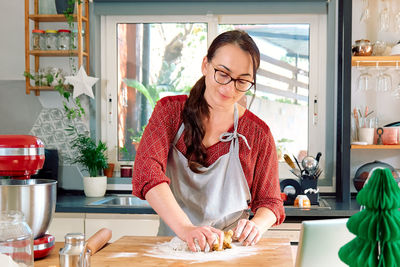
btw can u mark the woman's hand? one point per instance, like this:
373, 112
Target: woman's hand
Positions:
203, 235
247, 232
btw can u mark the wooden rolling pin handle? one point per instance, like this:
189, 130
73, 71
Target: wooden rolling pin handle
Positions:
98, 240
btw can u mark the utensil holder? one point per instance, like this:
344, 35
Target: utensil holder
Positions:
306, 183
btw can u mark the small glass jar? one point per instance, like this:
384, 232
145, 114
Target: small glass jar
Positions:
16, 239
51, 40
73, 252
75, 40
64, 39
38, 39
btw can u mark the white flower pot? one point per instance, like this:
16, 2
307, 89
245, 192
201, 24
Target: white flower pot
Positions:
95, 186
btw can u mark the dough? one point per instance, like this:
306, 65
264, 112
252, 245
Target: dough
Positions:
226, 242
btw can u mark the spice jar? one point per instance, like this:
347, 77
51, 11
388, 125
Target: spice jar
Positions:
16, 240
38, 39
73, 253
64, 39
51, 40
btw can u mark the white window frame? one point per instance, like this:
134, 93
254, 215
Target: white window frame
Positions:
317, 79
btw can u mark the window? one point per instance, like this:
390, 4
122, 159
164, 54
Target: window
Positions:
164, 55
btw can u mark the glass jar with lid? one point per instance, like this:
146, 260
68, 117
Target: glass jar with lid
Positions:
51, 40
64, 39
73, 252
75, 40
16, 240
38, 39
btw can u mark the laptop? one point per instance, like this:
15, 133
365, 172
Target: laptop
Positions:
320, 241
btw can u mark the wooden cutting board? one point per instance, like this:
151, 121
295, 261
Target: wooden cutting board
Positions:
132, 250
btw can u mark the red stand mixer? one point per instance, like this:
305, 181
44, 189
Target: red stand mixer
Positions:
20, 157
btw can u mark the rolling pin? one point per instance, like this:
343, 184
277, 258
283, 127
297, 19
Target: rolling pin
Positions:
98, 240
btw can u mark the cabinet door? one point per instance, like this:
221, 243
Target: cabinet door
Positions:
290, 231
122, 224
63, 223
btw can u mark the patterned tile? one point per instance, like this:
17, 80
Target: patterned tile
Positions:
51, 126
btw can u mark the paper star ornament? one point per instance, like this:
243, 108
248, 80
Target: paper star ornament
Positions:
82, 83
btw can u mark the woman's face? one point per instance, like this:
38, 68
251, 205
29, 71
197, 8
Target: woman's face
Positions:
232, 61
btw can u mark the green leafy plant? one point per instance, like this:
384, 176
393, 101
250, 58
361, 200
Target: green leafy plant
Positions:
153, 92
91, 156
136, 136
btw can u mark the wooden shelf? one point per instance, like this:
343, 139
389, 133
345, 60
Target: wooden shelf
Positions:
81, 18
53, 18
56, 53
372, 61
375, 147
41, 88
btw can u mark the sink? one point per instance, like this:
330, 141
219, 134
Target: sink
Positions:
120, 201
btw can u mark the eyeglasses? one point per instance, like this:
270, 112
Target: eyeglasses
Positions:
224, 78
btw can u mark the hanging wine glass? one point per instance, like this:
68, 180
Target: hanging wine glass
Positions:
365, 12
384, 20
364, 80
396, 91
383, 81
397, 21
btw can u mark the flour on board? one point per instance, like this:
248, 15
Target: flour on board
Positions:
177, 249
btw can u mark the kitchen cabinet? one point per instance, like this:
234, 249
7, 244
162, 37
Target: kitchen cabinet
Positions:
63, 223
122, 224
288, 230
89, 223
82, 20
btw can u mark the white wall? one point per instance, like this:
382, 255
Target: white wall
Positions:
12, 45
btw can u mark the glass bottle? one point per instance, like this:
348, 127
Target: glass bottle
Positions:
16, 239
64, 39
51, 40
38, 39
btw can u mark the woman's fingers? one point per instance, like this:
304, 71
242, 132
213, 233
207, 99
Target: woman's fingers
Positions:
220, 236
200, 236
239, 229
247, 232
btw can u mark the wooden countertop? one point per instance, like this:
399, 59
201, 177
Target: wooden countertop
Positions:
131, 250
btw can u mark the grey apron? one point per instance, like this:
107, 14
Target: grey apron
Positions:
219, 196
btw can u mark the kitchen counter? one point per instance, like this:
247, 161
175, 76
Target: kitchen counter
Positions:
131, 251
78, 203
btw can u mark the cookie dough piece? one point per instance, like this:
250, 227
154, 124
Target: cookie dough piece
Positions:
226, 242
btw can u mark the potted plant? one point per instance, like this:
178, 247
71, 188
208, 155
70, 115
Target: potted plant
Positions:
109, 171
93, 158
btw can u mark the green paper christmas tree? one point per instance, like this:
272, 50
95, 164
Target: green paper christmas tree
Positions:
377, 227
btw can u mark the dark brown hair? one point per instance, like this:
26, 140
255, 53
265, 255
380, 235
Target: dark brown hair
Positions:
196, 107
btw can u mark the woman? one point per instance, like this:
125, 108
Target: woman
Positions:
204, 160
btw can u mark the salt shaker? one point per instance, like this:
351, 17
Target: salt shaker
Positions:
73, 254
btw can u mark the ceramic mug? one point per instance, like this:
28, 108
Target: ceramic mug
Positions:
366, 135
302, 201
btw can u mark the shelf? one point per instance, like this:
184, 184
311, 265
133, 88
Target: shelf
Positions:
375, 147
53, 18
41, 88
374, 61
56, 53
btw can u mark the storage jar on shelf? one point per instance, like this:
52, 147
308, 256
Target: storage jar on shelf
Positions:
51, 40
64, 39
38, 39
74, 42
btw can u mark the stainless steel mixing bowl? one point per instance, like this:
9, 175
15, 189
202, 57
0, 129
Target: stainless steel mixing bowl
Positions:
36, 198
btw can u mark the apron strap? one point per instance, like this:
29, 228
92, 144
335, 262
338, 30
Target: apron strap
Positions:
178, 134
227, 137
